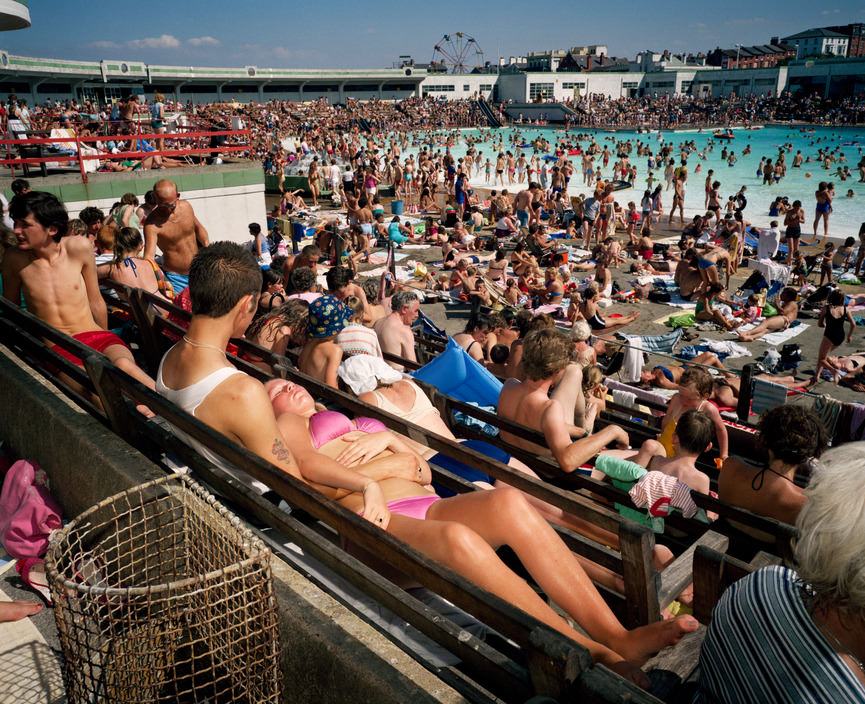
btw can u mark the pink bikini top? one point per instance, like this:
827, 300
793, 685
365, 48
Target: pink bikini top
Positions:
325, 426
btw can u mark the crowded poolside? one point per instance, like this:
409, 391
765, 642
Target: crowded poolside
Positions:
471, 336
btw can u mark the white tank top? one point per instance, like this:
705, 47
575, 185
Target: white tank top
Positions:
189, 399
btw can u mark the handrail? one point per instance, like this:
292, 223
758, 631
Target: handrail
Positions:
80, 158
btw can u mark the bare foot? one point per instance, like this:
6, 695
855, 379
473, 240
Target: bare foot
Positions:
640, 644
16, 610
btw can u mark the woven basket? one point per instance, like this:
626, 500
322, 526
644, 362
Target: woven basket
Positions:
161, 595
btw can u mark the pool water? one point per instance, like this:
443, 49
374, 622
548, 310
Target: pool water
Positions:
799, 183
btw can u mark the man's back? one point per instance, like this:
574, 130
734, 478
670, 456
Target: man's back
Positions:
393, 336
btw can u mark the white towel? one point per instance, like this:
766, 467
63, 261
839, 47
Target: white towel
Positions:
727, 347
624, 398
363, 372
632, 365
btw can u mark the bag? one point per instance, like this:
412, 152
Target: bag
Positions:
28, 512
659, 296
660, 248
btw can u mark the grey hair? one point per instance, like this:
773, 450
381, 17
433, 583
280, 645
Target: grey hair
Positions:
580, 331
831, 561
401, 299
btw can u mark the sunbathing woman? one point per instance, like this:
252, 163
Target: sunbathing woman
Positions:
463, 532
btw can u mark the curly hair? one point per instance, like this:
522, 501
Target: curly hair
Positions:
793, 434
302, 279
292, 314
546, 351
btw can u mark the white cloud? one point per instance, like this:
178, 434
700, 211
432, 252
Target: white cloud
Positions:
165, 41
104, 45
371, 30
746, 21
204, 41
831, 12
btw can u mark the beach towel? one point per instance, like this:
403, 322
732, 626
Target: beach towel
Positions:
665, 343
767, 395
624, 398
776, 339
726, 348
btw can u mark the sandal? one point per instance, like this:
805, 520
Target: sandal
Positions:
34, 576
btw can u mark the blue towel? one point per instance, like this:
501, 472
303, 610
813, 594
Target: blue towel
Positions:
767, 396
657, 343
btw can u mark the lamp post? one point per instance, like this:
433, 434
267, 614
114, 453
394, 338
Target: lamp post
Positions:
738, 48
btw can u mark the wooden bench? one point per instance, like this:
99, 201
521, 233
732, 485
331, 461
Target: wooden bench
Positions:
549, 663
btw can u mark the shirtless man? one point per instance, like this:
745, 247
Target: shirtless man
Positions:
394, 330
559, 415
57, 276
225, 281
173, 227
309, 256
523, 205
788, 312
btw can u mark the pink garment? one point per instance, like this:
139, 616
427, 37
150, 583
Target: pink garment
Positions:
325, 426
659, 491
412, 506
28, 512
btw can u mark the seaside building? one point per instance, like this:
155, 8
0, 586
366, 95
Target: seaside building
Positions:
855, 34
40, 79
818, 42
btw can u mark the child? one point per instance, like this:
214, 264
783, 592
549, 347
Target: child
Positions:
632, 219
595, 394
826, 263
798, 268
843, 254
695, 387
692, 438
281, 330
752, 309
498, 360
321, 356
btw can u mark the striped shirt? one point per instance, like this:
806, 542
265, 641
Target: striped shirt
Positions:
358, 339
762, 646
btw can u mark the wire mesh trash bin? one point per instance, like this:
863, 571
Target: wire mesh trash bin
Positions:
161, 595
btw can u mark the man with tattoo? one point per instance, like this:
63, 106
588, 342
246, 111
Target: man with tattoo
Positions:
224, 285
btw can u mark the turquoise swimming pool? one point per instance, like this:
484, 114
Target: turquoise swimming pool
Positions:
800, 183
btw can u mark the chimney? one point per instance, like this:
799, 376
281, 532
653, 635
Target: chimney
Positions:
773, 40
601, 59
589, 62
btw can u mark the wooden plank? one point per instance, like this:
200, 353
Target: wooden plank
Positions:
600, 685
713, 573
553, 670
680, 573
764, 559
641, 579
677, 662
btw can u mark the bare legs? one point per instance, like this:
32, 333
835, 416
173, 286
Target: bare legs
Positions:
463, 531
773, 324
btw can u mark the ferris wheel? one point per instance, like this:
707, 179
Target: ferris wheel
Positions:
457, 53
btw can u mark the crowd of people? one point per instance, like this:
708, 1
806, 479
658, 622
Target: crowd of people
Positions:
341, 334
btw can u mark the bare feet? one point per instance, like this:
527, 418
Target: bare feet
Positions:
16, 610
640, 644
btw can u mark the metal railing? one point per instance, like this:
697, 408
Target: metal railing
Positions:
77, 142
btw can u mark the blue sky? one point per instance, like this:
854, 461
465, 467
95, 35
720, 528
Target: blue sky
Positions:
339, 34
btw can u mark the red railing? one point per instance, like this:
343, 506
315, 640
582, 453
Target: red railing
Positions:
11, 161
